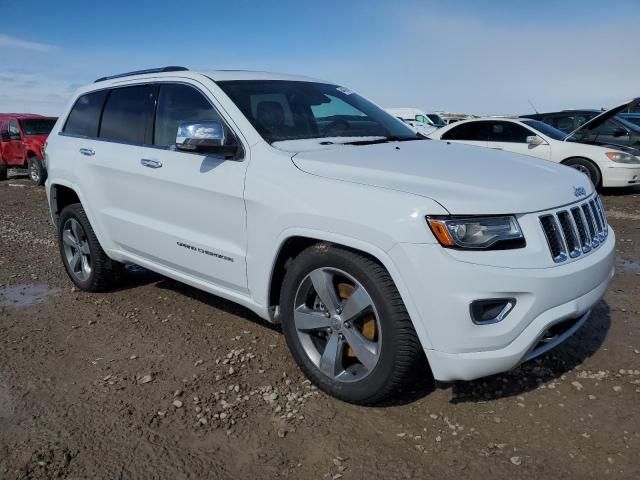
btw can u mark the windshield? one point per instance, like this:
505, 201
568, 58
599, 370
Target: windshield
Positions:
292, 110
435, 118
38, 126
546, 129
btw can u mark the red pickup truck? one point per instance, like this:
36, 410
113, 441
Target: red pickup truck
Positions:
22, 136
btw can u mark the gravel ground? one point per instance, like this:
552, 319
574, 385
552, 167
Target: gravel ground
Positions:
159, 380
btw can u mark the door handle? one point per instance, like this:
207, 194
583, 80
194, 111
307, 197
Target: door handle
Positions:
89, 152
497, 148
147, 162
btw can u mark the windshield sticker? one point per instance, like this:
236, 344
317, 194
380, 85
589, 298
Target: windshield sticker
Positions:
344, 90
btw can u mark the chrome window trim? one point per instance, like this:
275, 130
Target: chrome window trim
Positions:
159, 82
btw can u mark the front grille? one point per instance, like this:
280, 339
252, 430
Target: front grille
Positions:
574, 232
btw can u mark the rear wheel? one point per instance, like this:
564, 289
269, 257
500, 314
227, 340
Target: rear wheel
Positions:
3, 172
588, 168
83, 257
37, 172
346, 325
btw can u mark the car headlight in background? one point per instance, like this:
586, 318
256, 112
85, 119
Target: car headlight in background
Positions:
621, 157
477, 232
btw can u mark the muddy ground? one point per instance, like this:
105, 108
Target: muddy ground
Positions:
159, 380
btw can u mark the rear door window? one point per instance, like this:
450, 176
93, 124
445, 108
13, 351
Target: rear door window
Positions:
472, 131
128, 115
84, 118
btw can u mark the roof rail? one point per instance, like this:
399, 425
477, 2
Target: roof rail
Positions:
141, 72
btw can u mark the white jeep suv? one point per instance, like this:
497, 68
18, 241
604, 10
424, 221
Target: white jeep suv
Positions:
316, 209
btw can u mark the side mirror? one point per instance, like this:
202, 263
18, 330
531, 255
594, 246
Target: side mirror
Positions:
535, 140
204, 137
620, 132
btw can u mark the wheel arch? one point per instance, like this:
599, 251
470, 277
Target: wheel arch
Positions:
578, 157
60, 197
294, 244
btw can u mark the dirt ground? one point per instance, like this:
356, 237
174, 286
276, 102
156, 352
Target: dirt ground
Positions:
159, 380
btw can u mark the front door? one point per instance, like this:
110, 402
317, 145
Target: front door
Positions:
512, 137
13, 153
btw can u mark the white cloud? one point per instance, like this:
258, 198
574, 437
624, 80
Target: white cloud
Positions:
25, 92
13, 42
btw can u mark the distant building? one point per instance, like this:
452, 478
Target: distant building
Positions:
454, 117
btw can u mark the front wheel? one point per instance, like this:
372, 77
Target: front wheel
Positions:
346, 325
37, 172
3, 172
588, 168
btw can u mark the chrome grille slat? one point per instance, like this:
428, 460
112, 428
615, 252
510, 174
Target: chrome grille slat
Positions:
576, 231
600, 209
570, 236
593, 233
554, 238
581, 225
596, 216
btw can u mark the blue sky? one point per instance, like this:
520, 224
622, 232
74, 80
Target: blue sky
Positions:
485, 57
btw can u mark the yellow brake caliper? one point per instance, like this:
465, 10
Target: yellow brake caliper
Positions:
368, 323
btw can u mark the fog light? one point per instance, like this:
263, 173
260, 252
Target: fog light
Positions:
491, 310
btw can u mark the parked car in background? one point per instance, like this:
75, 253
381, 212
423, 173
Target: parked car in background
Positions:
436, 119
417, 119
308, 204
631, 117
606, 166
594, 126
22, 138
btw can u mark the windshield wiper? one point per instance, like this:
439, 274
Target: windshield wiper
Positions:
390, 138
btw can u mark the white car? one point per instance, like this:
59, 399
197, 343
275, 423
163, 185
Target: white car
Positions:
314, 208
606, 166
418, 120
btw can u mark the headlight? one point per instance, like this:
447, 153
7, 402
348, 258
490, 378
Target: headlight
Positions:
621, 157
477, 232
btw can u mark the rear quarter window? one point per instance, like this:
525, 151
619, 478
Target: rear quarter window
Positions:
84, 118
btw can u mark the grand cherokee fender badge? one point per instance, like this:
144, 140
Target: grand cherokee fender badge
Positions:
579, 191
205, 252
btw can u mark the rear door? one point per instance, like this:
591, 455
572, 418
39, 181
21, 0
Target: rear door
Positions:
512, 137
470, 133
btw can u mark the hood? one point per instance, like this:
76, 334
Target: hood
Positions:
614, 146
598, 120
465, 180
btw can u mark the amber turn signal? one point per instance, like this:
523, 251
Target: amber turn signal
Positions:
441, 232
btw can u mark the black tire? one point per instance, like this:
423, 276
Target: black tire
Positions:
105, 273
587, 167
37, 172
3, 172
401, 355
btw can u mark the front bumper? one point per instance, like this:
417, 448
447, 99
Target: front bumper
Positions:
621, 176
442, 287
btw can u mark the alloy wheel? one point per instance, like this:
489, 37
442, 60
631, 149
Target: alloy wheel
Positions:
337, 324
34, 173
582, 169
76, 249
